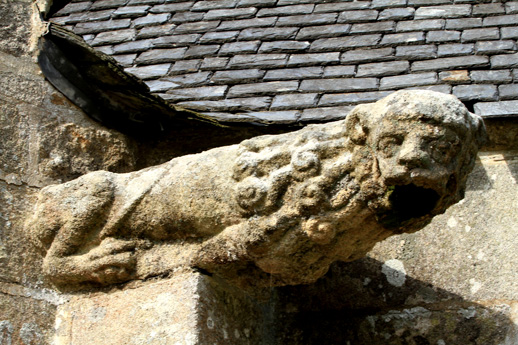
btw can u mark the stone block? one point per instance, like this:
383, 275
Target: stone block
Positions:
157, 56
185, 66
278, 117
352, 98
219, 36
161, 85
463, 23
230, 104
367, 55
294, 73
202, 51
417, 52
339, 85
313, 32
294, 101
357, 16
313, 59
172, 7
156, 31
339, 71
450, 63
237, 76
231, 13
480, 34
325, 113
345, 43
455, 77
131, 11
511, 7
133, 46
455, 49
480, 92
258, 60
488, 9
175, 40
247, 23
213, 4
284, 47
510, 19
285, 10
491, 76
397, 13
403, 38
420, 25
113, 37
306, 20
509, 32
267, 88
95, 27
104, 4
191, 79
442, 36
186, 17
504, 60
203, 92
497, 109
188, 308
268, 33
444, 11
150, 72
151, 19
382, 69
495, 47
509, 91
214, 63
342, 6
379, 26
245, 47
199, 26
409, 80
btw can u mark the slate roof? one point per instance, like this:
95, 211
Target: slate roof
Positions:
307, 60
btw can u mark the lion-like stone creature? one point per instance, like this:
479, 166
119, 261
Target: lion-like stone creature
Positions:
272, 210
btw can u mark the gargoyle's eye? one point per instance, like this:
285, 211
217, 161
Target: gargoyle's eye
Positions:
388, 146
442, 151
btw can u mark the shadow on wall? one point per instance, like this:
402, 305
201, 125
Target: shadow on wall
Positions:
360, 303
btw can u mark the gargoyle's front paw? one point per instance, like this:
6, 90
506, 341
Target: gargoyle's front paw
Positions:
112, 262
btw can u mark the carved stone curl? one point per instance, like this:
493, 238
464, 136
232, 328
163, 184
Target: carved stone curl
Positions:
272, 210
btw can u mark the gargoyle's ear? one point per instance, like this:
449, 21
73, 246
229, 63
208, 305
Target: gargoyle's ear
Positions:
356, 127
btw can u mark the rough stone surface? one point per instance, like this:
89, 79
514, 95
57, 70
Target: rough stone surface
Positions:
303, 188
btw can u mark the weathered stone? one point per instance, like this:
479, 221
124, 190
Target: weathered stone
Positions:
103, 4
89, 16
383, 68
352, 98
202, 50
95, 27
230, 104
172, 7
234, 13
357, 16
367, 55
309, 19
186, 17
272, 87
491, 76
196, 27
214, 63
504, 60
294, 101
151, 19
156, 31
396, 82
417, 52
476, 91
345, 43
509, 32
289, 116
213, 4
133, 46
312, 32
191, 79
161, 85
130, 12
396, 13
341, 6
497, 109
283, 47
510, 19
388, 3
150, 72
313, 59
450, 63
175, 40
509, 91
245, 47
112, 37
230, 236
463, 23
247, 23
185, 66
454, 77
481, 9
203, 92
286, 10
342, 84
480, 34
157, 56
420, 25
325, 113
442, 36
258, 60
237, 76
455, 49
74, 7
495, 47
339, 71
219, 36
294, 73
446, 11
403, 38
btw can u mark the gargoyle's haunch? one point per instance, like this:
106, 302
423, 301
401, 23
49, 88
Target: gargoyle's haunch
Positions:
275, 209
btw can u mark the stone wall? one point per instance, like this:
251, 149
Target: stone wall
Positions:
306, 60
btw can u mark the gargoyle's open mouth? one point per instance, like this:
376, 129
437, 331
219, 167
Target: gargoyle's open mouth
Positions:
408, 202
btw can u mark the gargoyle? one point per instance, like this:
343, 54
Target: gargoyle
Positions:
277, 209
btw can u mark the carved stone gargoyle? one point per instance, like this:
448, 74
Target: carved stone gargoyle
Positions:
272, 210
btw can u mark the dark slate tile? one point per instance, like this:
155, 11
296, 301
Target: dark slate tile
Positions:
74, 7
480, 34
463, 23
113, 37
156, 31
345, 43
450, 63
352, 98
442, 36
357, 16
266, 88
313, 59
160, 85
104, 4
268, 33
294, 73
509, 32
247, 23
172, 7
455, 49
230, 104
397, 13
367, 55
388, 3
245, 47
509, 91
485, 9
511, 7
339, 71
197, 93
309, 19
288, 116
342, 6
312, 32
403, 38
504, 60
492, 76
89, 16
256, 3
417, 52
231, 13
126, 60
151, 19
496, 109
131, 11
325, 113
258, 60
510, 19
409, 80
420, 25
175, 40
185, 66
214, 63
199, 26
190, 79
237, 76
444, 11
381, 69
213, 4
157, 56
479, 92
149, 72
95, 27
294, 101
284, 47
286, 10
219, 36
202, 51
386, 26
495, 47
187, 17
339, 85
